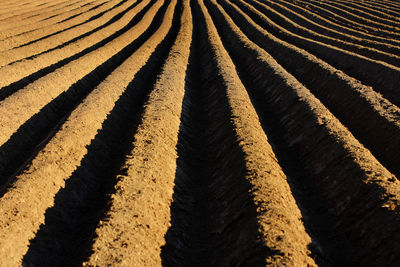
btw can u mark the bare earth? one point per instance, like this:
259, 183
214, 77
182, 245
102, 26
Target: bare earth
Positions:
199, 133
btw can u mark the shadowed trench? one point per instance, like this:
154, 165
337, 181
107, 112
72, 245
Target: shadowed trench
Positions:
213, 218
67, 236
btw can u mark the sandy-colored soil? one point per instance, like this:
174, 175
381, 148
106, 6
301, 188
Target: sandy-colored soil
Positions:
199, 133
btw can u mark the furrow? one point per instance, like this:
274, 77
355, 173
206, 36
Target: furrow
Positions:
92, 8
153, 147
5, 7
362, 20
45, 102
331, 24
63, 155
329, 247
375, 11
292, 26
228, 184
62, 28
34, 17
375, 7
69, 35
329, 31
25, 33
360, 12
388, 2
32, 69
266, 180
84, 5
380, 75
32, 5
359, 192
347, 22
386, 5
15, 28
371, 118
15, 10
382, 9
69, 227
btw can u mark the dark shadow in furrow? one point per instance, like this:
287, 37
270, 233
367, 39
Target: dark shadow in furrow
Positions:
385, 8
342, 21
328, 246
47, 36
375, 11
12, 88
358, 11
355, 15
21, 15
22, 33
38, 14
349, 46
382, 78
295, 17
67, 236
93, 8
35, 133
374, 132
388, 6
114, 7
380, 6
79, 7
320, 20
356, 207
213, 217
112, 20
293, 29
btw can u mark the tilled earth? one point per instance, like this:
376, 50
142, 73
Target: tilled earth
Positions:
199, 133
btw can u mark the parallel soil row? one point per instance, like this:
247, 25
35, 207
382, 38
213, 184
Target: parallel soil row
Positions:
377, 74
253, 71
312, 15
346, 19
199, 133
23, 35
44, 44
40, 14
319, 26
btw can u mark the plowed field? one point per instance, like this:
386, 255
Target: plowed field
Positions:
199, 133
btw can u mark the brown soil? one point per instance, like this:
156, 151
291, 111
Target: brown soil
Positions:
199, 133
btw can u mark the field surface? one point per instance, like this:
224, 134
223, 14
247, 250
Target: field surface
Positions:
199, 133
